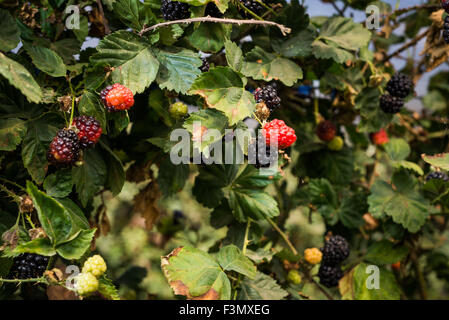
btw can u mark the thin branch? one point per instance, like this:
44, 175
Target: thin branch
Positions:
107, 30
281, 27
417, 7
407, 45
284, 236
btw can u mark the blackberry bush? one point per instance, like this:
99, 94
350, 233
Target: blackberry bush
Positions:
107, 131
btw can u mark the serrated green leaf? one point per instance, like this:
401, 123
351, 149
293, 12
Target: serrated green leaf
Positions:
20, 78
404, 203
35, 145
438, 160
42, 246
12, 131
209, 37
59, 184
46, 60
234, 55
231, 258
89, 177
171, 177
77, 247
83, 30
116, 173
132, 13
262, 287
9, 32
224, 89
299, 45
397, 149
178, 68
385, 252
409, 166
135, 64
388, 287
261, 65
255, 204
195, 274
339, 38
107, 289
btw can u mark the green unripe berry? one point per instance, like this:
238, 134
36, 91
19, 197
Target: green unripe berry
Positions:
178, 110
294, 277
336, 144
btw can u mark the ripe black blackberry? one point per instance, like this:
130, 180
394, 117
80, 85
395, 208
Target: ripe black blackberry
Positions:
335, 250
400, 85
89, 131
252, 5
446, 29
174, 10
269, 95
205, 66
437, 175
29, 265
262, 155
212, 10
329, 275
64, 150
391, 104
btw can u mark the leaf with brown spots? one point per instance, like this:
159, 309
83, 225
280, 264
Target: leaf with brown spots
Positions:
195, 274
438, 160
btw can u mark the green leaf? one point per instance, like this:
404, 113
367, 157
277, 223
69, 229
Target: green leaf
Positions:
397, 149
299, 45
46, 60
9, 32
20, 78
210, 119
388, 287
135, 64
234, 55
255, 204
209, 37
83, 30
231, 258
262, 287
438, 160
90, 105
77, 247
385, 252
54, 219
12, 131
409, 166
373, 118
89, 177
261, 65
224, 89
172, 178
339, 38
59, 184
42, 246
178, 68
35, 145
132, 13
107, 288
195, 274
116, 173
322, 193
352, 209
404, 203
251, 177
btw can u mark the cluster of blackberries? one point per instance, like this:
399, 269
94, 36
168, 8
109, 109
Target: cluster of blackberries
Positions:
335, 251
399, 87
269, 95
437, 175
65, 148
29, 265
174, 10
252, 5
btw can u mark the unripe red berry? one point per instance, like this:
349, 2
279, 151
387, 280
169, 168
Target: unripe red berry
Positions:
285, 135
380, 137
326, 130
117, 97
